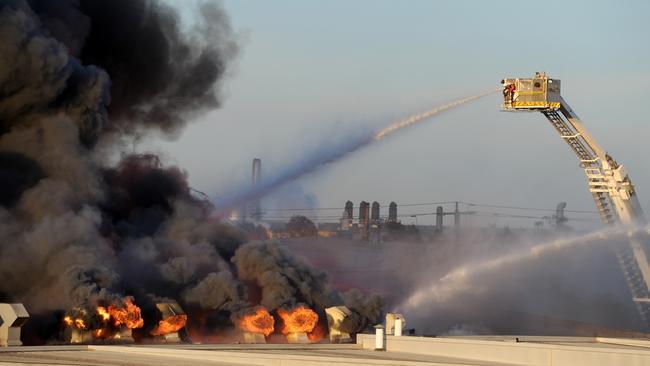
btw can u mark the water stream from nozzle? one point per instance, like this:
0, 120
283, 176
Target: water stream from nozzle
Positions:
314, 161
409, 121
458, 280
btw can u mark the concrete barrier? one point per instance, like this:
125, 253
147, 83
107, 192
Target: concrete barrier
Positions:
544, 352
12, 318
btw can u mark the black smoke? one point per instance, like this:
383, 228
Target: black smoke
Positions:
76, 230
160, 74
17, 173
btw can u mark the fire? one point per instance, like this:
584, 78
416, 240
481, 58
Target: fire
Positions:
105, 325
301, 319
171, 324
103, 313
74, 322
129, 315
317, 334
68, 320
259, 322
99, 333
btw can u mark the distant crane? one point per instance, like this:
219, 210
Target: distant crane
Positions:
456, 213
608, 182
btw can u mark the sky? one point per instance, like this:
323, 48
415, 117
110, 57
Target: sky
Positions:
312, 73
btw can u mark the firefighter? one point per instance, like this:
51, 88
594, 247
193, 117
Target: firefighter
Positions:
509, 92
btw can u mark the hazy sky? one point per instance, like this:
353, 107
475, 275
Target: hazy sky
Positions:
312, 72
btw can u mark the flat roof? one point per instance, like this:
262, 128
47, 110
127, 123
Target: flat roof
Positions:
406, 350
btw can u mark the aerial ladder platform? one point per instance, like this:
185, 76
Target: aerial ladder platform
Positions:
608, 182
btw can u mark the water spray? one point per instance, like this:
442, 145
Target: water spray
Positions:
406, 122
457, 280
315, 161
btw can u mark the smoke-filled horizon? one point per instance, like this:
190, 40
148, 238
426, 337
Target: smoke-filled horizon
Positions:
456, 281
571, 279
328, 154
76, 78
494, 281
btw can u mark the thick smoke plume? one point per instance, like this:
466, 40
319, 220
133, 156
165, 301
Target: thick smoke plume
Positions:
75, 77
159, 75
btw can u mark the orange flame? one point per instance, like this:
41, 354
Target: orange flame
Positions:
103, 313
99, 333
172, 324
68, 320
300, 319
129, 315
317, 334
259, 322
74, 322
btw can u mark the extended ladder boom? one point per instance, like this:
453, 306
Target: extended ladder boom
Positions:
608, 182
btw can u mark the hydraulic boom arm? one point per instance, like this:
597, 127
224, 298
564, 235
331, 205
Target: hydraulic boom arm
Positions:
608, 182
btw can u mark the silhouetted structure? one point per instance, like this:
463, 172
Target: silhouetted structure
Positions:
255, 207
346, 220
392, 212
374, 213
300, 226
364, 220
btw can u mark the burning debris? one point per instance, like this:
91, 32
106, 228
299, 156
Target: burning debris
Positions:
257, 325
127, 315
73, 88
298, 323
170, 325
173, 320
114, 322
259, 321
300, 319
77, 324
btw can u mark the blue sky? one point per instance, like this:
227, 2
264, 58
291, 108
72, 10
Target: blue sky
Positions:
311, 73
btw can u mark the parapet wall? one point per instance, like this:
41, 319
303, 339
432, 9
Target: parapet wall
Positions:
530, 351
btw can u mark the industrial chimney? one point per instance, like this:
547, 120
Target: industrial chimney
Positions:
362, 213
392, 212
375, 223
364, 220
256, 208
560, 219
374, 216
346, 220
349, 207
